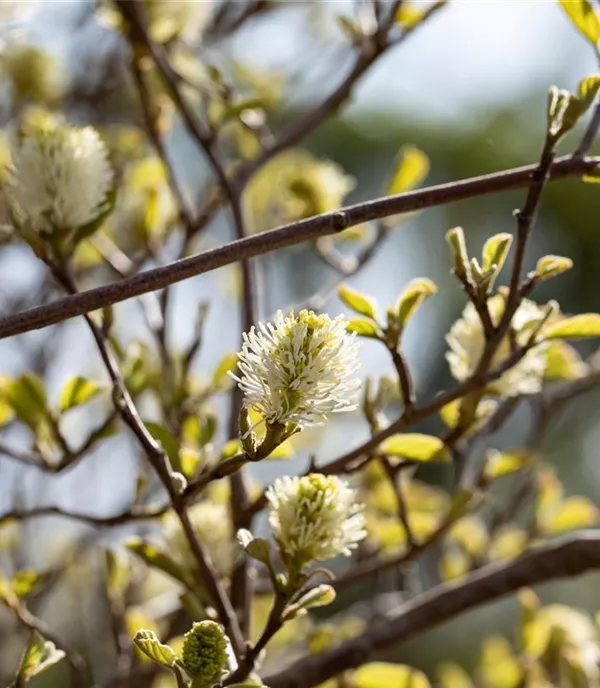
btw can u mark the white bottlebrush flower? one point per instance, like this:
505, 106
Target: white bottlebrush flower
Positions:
299, 369
467, 341
314, 518
212, 525
60, 179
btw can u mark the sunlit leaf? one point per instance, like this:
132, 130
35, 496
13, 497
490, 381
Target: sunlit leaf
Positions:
412, 167
472, 536
495, 250
584, 17
412, 297
27, 397
363, 327
574, 513
454, 565
575, 327
231, 448
40, 655
499, 464
77, 391
415, 447
450, 675
136, 619
226, 364
379, 674
148, 643
6, 412
563, 362
588, 90
358, 302
509, 542
551, 266
499, 668
26, 582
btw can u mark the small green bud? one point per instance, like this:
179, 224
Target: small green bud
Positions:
204, 653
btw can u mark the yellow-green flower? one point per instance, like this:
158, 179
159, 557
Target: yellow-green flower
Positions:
204, 653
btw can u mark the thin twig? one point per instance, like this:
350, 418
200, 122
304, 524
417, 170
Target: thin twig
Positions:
134, 513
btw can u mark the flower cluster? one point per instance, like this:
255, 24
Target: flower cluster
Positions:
212, 525
60, 180
204, 653
466, 340
314, 518
299, 369
293, 186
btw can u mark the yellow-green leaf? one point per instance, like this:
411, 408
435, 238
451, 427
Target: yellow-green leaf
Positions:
149, 644
415, 447
40, 655
499, 464
593, 176
380, 674
588, 90
412, 167
576, 327
6, 413
230, 449
574, 513
363, 327
26, 581
360, 303
495, 250
563, 362
412, 297
552, 266
453, 565
226, 364
77, 391
450, 675
27, 397
153, 557
584, 17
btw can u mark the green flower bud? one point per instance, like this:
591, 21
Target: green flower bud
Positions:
204, 653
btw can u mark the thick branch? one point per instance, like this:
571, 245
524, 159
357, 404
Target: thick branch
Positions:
288, 235
567, 557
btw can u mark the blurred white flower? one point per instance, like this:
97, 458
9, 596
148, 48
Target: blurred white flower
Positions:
17, 10
467, 341
314, 518
299, 369
212, 525
60, 179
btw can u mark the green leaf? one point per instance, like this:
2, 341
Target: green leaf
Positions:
412, 167
450, 675
360, 303
155, 558
563, 362
574, 513
77, 391
169, 443
412, 297
584, 18
257, 548
415, 447
26, 581
588, 90
495, 250
552, 266
363, 327
226, 365
321, 596
576, 327
230, 449
150, 645
27, 397
384, 674
499, 464
40, 655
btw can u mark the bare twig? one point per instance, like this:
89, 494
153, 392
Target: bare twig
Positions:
135, 513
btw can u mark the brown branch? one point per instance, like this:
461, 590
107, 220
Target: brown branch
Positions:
127, 516
567, 557
288, 235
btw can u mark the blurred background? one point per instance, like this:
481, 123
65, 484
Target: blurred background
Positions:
469, 89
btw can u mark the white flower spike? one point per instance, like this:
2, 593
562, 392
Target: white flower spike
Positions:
314, 518
466, 341
60, 179
299, 369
